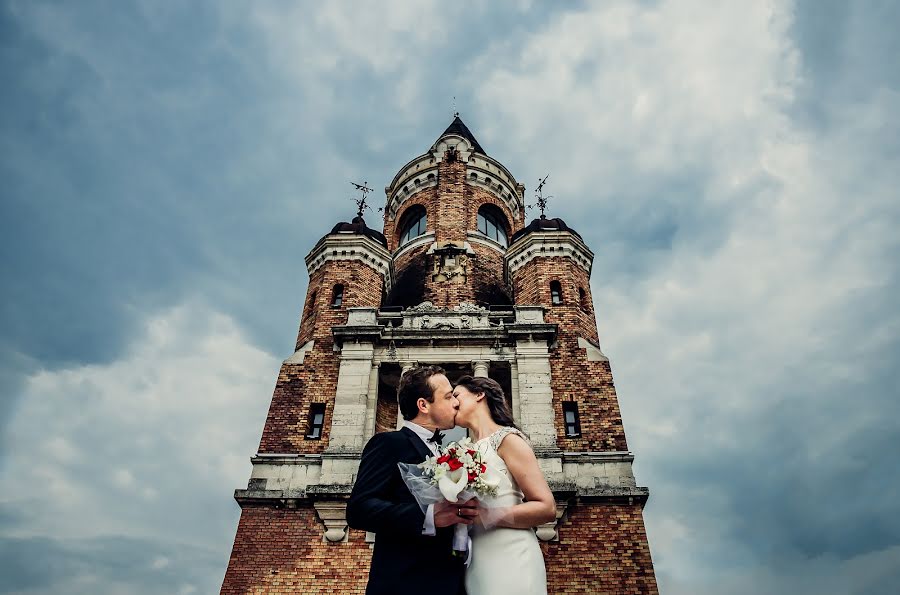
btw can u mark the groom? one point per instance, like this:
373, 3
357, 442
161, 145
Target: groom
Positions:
413, 549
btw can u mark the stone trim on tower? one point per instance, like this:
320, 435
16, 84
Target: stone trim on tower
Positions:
334, 247
545, 244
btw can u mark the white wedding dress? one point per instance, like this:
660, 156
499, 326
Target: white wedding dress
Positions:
505, 560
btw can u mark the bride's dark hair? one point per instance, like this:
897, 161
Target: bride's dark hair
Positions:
493, 395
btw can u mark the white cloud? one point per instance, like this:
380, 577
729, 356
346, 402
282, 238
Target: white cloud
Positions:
149, 446
715, 345
744, 280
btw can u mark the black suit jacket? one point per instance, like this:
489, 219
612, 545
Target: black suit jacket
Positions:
403, 560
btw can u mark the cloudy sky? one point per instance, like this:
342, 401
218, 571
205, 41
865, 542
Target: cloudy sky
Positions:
166, 166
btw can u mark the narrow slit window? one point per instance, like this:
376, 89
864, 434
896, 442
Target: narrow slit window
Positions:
570, 416
338, 297
582, 298
316, 421
555, 293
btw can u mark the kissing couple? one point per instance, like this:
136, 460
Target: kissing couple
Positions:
413, 550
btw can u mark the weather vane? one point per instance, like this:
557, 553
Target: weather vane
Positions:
361, 205
540, 201
455, 111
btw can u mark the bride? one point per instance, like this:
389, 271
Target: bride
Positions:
505, 558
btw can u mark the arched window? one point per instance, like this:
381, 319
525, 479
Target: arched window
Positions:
413, 224
337, 298
492, 223
555, 293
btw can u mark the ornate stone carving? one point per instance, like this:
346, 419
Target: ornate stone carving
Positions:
334, 516
426, 316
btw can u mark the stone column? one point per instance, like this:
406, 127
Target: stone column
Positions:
348, 419
480, 369
514, 389
371, 402
535, 394
404, 368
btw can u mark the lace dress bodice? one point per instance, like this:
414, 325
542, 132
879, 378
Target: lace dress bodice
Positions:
508, 492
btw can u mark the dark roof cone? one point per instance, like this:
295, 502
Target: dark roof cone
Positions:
459, 128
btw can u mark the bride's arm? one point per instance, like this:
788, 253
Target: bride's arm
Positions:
539, 506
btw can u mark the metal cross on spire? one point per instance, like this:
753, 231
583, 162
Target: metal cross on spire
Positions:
361, 204
540, 201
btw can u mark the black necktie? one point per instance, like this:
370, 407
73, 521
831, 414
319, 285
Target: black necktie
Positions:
436, 437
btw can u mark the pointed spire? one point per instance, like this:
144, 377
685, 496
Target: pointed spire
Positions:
458, 127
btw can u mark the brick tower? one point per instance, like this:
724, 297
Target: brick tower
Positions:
457, 279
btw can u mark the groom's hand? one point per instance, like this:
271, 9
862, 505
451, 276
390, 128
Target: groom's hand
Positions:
448, 513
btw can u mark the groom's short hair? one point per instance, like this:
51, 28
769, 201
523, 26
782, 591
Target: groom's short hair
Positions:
415, 384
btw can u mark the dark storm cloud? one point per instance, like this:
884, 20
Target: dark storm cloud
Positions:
43, 565
166, 169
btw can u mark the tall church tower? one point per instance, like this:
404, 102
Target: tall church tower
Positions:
456, 279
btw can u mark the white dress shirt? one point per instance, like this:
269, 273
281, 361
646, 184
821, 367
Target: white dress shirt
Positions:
424, 433
428, 526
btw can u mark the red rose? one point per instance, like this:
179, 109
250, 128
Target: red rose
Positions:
483, 468
471, 476
454, 464
443, 459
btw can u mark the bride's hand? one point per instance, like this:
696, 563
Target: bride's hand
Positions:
448, 513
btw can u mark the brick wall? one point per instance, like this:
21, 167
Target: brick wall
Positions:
602, 548
486, 281
531, 285
590, 385
280, 551
386, 413
410, 270
315, 380
452, 210
574, 378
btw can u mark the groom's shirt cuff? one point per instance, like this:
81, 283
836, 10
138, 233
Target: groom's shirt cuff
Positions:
428, 525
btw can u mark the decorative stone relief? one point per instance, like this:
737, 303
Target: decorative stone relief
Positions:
361, 317
530, 314
449, 262
464, 316
334, 516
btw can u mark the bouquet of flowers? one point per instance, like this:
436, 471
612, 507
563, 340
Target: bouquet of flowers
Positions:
456, 474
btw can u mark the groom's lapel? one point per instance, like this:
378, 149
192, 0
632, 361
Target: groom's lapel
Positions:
416, 444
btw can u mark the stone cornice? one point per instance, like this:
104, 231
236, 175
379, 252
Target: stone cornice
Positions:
497, 181
426, 324
615, 456
548, 244
422, 172
357, 247
418, 174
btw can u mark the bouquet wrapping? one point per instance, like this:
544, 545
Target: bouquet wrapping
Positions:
456, 474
